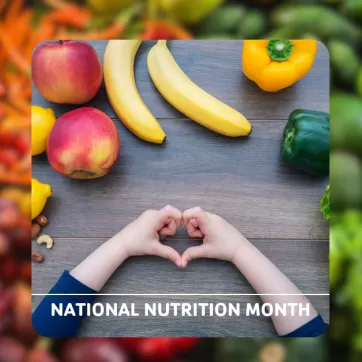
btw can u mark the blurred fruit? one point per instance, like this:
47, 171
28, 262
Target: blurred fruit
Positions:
66, 71
42, 122
156, 349
130, 344
9, 269
40, 352
39, 196
4, 244
345, 180
93, 350
11, 350
188, 12
184, 344
25, 271
20, 196
109, 6
83, 144
21, 312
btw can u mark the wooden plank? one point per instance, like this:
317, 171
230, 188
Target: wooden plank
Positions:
241, 179
216, 67
304, 262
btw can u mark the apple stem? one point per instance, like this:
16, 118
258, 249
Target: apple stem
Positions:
61, 42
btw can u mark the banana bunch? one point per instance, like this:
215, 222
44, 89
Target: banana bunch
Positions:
176, 87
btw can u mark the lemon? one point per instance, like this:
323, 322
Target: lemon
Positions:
39, 196
42, 122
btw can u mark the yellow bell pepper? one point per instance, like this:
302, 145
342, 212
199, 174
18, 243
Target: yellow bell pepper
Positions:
277, 64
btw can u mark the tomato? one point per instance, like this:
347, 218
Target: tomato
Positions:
156, 349
184, 344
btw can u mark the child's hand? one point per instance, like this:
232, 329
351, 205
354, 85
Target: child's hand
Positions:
221, 240
142, 236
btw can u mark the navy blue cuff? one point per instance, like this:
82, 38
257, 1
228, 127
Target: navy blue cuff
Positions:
313, 328
48, 325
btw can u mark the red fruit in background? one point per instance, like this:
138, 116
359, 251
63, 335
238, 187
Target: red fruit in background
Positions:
21, 312
66, 71
25, 272
4, 244
93, 350
11, 350
9, 269
130, 344
83, 144
5, 301
20, 236
41, 353
184, 344
156, 349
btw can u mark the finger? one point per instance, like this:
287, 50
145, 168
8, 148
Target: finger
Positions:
194, 223
169, 230
199, 216
192, 253
193, 231
167, 252
166, 213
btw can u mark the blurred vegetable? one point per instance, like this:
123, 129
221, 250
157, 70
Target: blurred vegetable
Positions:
344, 60
252, 25
320, 20
345, 180
109, 6
353, 8
188, 12
325, 204
225, 19
346, 122
359, 82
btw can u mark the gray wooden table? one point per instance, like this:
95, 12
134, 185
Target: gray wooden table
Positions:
243, 180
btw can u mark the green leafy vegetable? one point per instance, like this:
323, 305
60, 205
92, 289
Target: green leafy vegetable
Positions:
325, 204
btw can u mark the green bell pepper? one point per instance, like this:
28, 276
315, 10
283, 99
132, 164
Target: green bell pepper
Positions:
306, 141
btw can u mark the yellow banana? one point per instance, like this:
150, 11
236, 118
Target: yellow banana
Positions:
189, 98
123, 94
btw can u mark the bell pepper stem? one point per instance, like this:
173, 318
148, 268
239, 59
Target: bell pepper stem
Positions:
289, 137
280, 50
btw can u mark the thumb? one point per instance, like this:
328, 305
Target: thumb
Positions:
192, 253
167, 252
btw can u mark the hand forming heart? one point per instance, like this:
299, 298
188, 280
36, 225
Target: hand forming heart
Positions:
142, 237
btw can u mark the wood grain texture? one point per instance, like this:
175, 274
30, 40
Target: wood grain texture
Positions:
216, 67
241, 179
202, 277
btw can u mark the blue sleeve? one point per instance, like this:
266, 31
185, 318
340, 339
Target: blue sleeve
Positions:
64, 322
313, 328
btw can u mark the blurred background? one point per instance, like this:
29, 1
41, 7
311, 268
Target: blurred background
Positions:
335, 22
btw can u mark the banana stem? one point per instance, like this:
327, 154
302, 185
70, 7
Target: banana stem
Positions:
162, 43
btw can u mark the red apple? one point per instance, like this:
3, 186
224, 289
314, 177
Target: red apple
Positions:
66, 71
83, 144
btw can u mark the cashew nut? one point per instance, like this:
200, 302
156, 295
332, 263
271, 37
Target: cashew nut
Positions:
47, 240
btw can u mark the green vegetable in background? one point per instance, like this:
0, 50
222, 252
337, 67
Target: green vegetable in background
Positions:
359, 82
223, 20
325, 204
109, 6
353, 8
346, 122
345, 181
320, 20
252, 25
306, 141
344, 60
188, 12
